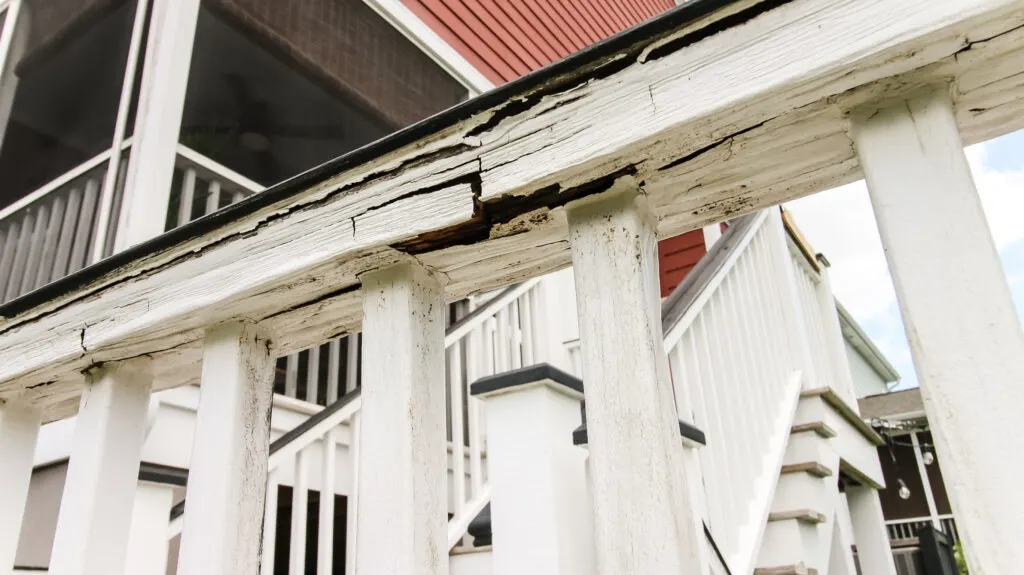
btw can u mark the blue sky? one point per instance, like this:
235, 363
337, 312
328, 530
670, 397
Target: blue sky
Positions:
840, 224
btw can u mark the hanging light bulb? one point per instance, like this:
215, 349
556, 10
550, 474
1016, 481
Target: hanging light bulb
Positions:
928, 457
904, 491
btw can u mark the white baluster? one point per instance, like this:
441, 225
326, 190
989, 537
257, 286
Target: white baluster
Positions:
187, 196
300, 510
333, 370
270, 525
352, 501
291, 376
352, 373
526, 325
212, 197
503, 342
473, 361
227, 480
19, 430
96, 507
313, 374
458, 435
325, 535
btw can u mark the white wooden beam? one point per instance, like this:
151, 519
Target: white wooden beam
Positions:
147, 541
964, 332
227, 480
19, 430
402, 500
96, 507
161, 104
645, 520
869, 533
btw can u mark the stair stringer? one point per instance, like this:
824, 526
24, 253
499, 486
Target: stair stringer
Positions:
744, 559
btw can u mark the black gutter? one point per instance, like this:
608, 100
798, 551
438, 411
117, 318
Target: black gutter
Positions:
595, 61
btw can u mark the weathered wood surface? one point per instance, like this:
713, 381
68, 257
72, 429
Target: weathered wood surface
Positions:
740, 109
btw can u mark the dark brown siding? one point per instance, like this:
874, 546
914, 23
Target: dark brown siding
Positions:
898, 464
505, 39
677, 256
347, 44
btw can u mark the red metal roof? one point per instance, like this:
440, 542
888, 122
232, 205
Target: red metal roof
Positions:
505, 39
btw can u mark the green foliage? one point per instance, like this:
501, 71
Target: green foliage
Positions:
961, 561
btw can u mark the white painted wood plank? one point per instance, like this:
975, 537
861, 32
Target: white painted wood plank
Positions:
291, 376
333, 370
161, 102
418, 214
352, 365
313, 374
186, 195
960, 318
352, 501
21, 250
474, 358
96, 506
458, 437
228, 474
84, 230
300, 512
19, 430
67, 234
325, 534
49, 253
269, 548
33, 262
402, 486
643, 522
212, 197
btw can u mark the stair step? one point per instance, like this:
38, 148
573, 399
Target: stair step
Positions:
819, 427
802, 515
813, 467
785, 570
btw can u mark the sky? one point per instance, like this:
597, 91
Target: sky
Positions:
840, 224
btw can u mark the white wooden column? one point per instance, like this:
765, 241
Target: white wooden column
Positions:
540, 507
402, 503
161, 103
839, 361
19, 430
964, 332
147, 541
96, 508
869, 533
645, 520
227, 480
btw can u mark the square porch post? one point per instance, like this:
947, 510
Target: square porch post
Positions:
645, 518
964, 332
19, 431
402, 475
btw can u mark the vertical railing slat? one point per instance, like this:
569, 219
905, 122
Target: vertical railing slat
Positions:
187, 197
333, 370
291, 376
212, 197
300, 499
270, 525
20, 256
49, 252
32, 262
313, 374
83, 232
458, 438
325, 533
67, 234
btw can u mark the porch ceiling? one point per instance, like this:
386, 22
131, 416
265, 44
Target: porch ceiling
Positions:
715, 109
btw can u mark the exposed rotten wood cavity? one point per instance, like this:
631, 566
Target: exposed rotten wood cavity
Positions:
715, 110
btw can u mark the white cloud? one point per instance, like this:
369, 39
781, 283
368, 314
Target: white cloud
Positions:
840, 223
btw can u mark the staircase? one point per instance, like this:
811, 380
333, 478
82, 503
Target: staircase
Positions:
756, 367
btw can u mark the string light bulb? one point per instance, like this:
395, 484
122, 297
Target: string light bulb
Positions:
904, 491
928, 457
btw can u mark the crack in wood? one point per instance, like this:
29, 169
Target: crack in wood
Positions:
727, 140
731, 21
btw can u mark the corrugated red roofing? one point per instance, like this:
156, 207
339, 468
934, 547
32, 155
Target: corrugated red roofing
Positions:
505, 39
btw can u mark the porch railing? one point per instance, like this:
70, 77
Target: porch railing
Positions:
498, 335
903, 529
53, 231
737, 374
202, 186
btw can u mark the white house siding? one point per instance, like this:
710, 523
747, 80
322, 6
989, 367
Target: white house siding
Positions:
866, 380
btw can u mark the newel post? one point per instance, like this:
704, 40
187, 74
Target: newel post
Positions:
645, 519
99, 491
19, 430
402, 504
227, 480
964, 332
540, 507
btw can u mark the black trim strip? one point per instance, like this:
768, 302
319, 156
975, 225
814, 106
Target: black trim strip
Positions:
526, 376
687, 431
598, 60
714, 547
158, 473
314, 420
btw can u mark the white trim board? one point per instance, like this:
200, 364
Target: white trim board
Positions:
746, 118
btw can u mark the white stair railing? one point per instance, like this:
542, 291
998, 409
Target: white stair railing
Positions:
736, 368
497, 336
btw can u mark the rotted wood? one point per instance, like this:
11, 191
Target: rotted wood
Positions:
716, 109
